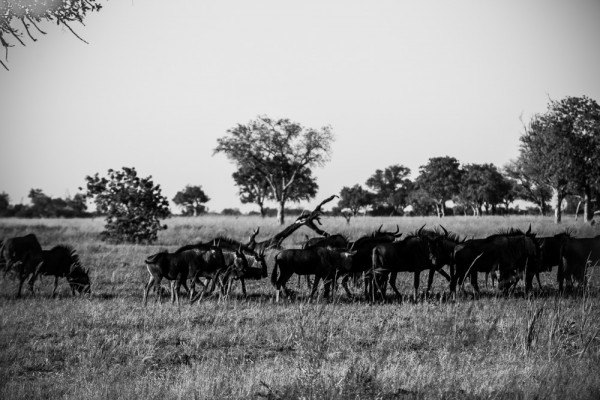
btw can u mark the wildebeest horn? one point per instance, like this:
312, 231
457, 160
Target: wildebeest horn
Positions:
397, 230
419, 231
444, 229
379, 230
528, 230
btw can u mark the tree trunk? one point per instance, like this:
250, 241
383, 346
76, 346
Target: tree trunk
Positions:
588, 210
281, 212
263, 212
558, 209
577, 210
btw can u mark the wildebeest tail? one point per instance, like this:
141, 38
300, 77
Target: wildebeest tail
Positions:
274, 272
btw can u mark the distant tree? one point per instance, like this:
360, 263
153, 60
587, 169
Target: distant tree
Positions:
191, 200
562, 148
391, 187
279, 150
41, 204
4, 203
17, 15
421, 202
526, 186
354, 198
482, 185
253, 188
133, 205
440, 180
231, 211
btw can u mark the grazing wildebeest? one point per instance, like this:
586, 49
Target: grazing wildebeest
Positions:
22, 254
241, 270
510, 252
441, 252
63, 262
576, 255
188, 262
323, 262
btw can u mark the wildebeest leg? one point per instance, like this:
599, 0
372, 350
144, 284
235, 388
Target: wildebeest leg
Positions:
345, 279
392, 280
416, 283
243, 287
147, 288
474, 283
315, 286
537, 277
56, 286
430, 279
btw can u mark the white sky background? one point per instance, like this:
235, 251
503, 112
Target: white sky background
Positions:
398, 81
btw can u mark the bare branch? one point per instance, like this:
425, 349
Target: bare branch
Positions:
27, 29
72, 31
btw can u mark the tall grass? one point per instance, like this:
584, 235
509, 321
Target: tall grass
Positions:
110, 346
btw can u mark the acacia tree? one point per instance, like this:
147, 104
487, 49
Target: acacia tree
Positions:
440, 179
482, 185
133, 205
253, 188
354, 198
191, 200
562, 148
391, 187
19, 15
280, 151
526, 186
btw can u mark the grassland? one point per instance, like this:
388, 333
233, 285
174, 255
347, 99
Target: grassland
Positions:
110, 346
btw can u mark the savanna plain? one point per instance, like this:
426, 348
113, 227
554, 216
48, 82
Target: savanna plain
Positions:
109, 346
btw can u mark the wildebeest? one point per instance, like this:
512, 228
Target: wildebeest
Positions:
242, 270
576, 255
335, 241
188, 262
323, 262
409, 255
22, 254
63, 262
362, 258
510, 252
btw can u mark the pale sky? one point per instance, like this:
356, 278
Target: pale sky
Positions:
398, 81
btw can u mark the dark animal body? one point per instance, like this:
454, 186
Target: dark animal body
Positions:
576, 255
188, 262
408, 255
22, 255
511, 253
323, 262
63, 262
241, 270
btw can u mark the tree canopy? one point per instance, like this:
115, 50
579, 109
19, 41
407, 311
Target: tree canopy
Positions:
17, 17
561, 148
391, 187
133, 205
354, 198
440, 179
281, 151
191, 200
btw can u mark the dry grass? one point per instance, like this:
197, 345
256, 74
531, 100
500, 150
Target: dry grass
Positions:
110, 346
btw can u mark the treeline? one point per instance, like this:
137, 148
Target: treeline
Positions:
445, 187
43, 206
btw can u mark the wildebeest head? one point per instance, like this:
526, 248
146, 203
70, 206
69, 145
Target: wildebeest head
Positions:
79, 279
260, 258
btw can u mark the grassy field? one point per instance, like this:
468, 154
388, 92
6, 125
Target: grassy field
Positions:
110, 346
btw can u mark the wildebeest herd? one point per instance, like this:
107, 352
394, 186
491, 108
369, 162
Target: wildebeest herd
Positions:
375, 260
